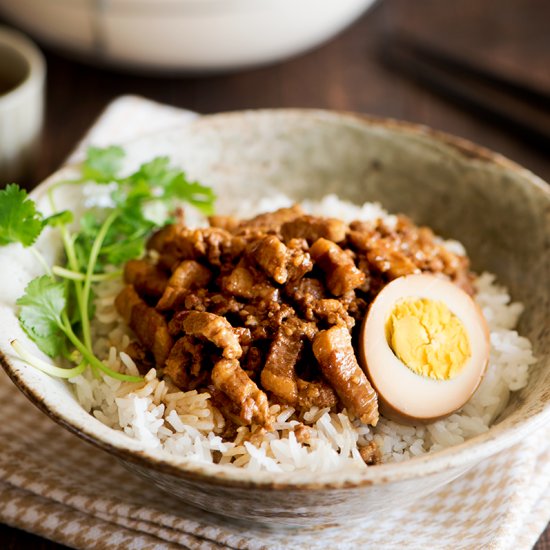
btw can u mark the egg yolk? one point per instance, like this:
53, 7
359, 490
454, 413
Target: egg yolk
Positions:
428, 338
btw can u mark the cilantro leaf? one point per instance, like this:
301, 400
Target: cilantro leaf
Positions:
157, 172
157, 180
133, 194
200, 196
19, 219
124, 251
102, 164
40, 314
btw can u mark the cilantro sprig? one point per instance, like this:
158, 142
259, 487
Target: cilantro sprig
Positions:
57, 308
21, 222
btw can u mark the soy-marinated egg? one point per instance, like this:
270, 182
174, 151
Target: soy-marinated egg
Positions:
425, 347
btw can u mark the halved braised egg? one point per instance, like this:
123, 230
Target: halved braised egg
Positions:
425, 347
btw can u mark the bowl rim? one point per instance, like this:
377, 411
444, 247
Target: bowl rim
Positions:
496, 439
138, 8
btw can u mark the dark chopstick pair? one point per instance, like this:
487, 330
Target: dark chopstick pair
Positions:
519, 108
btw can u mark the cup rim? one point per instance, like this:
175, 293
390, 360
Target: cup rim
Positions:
30, 52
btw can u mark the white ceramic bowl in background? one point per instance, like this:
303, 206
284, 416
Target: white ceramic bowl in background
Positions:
188, 35
22, 72
500, 211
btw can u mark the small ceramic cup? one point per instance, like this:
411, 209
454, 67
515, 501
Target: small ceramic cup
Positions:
22, 75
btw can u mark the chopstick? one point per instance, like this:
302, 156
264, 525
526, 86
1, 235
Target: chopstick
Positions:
521, 109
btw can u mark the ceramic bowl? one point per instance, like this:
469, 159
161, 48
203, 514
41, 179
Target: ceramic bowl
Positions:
500, 211
189, 35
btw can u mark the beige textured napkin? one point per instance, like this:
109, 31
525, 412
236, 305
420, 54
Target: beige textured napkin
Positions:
55, 485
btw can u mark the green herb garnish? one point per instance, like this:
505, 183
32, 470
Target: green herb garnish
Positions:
40, 310
19, 219
56, 309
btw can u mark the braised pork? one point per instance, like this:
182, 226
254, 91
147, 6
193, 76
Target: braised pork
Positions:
230, 378
341, 274
312, 228
189, 275
148, 324
208, 326
263, 310
336, 356
149, 281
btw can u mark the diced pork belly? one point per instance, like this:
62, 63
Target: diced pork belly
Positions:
278, 375
189, 275
312, 228
215, 245
148, 280
271, 255
230, 378
333, 312
271, 222
176, 243
306, 290
229, 223
184, 364
148, 324
386, 259
333, 350
210, 327
170, 245
279, 262
341, 275
246, 282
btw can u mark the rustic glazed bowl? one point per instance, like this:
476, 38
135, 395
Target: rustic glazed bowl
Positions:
500, 211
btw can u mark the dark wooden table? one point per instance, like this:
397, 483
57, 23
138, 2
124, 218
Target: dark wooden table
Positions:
511, 36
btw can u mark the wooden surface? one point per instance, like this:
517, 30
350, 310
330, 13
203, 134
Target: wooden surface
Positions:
509, 35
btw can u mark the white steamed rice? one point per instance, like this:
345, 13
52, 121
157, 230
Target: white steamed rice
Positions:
161, 416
